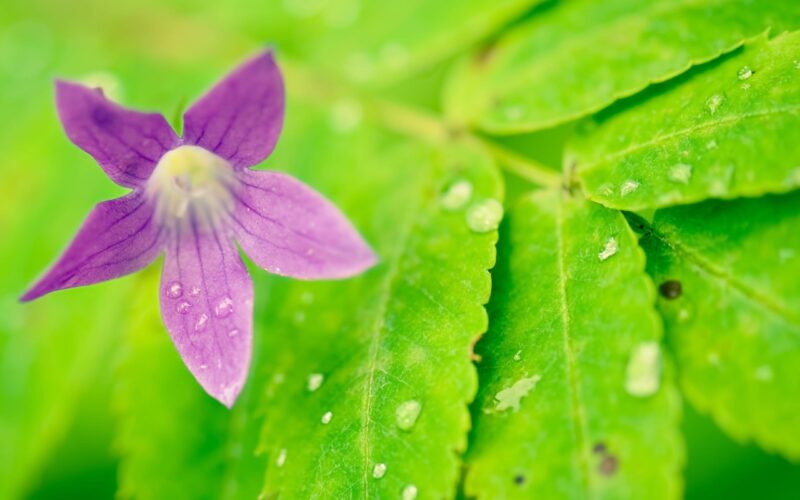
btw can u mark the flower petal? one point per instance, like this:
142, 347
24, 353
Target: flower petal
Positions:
241, 118
207, 304
118, 238
289, 229
127, 144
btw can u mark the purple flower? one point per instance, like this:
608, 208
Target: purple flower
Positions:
192, 198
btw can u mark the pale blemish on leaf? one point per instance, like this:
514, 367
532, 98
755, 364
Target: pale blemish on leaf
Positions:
281, 458
611, 248
714, 102
643, 374
680, 173
409, 492
407, 413
512, 396
628, 187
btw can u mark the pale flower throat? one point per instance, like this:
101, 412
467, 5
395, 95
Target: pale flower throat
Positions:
191, 185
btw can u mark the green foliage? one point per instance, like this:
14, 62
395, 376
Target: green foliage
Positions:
685, 143
577, 57
601, 420
361, 388
735, 326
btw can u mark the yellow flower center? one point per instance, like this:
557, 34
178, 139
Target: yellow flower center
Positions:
191, 186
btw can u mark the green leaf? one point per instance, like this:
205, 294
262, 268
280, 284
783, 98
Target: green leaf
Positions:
722, 131
575, 400
387, 354
577, 57
377, 42
734, 323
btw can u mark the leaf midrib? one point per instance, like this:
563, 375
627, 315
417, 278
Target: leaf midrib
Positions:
752, 293
578, 417
686, 131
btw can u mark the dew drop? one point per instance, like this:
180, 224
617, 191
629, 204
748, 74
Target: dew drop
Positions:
407, 413
224, 307
714, 102
681, 173
518, 355
201, 322
485, 216
175, 290
642, 376
744, 73
314, 381
233, 333
511, 397
409, 492
379, 471
281, 458
326, 418
457, 195
194, 292
628, 187
609, 250
183, 307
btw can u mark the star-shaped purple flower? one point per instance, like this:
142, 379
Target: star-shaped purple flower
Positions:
193, 198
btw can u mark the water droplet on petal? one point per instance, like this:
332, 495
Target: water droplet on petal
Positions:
281, 458
175, 290
744, 73
379, 471
183, 307
485, 216
643, 374
409, 492
512, 396
609, 249
680, 173
628, 187
314, 381
457, 195
224, 307
194, 292
326, 418
233, 333
714, 102
407, 413
201, 322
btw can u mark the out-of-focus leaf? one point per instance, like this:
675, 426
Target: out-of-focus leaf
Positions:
378, 42
577, 57
722, 131
734, 321
575, 399
361, 385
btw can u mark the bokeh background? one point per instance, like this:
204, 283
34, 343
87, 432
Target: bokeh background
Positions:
58, 356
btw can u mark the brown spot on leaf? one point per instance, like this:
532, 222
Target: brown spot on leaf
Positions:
608, 465
670, 289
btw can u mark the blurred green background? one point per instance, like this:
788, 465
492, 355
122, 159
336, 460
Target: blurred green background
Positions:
58, 355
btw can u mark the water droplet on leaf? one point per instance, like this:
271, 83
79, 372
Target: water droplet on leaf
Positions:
281, 458
409, 492
680, 173
744, 73
609, 249
457, 195
714, 102
314, 381
326, 418
643, 374
407, 413
379, 471
485, 216
628, 187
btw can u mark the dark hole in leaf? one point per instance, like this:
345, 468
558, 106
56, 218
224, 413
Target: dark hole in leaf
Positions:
519, 479
599, 447
608, 465
671, 289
